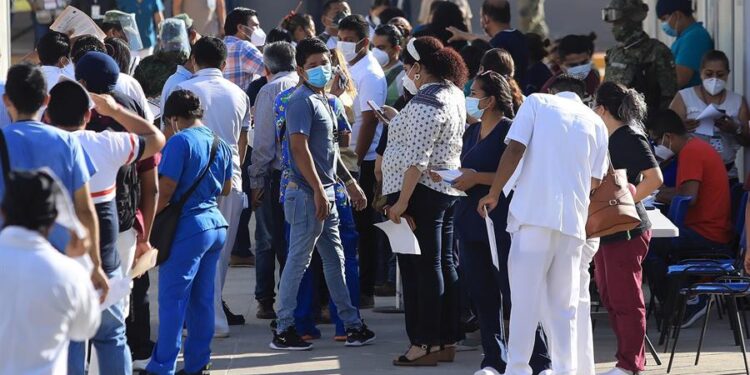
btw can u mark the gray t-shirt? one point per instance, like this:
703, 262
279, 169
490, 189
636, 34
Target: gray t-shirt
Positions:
309, 113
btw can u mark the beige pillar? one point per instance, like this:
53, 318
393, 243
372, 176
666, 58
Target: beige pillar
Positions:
4, 37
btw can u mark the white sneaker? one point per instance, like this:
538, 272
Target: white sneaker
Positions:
617, 371
487, 371
221, 334
140, 364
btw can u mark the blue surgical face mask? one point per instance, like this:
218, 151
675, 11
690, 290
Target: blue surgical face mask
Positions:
319, 75
669, 30
472, 107
580, 71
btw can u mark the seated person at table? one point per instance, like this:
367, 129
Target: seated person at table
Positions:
700, 175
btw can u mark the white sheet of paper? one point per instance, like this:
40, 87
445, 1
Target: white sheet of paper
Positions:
491, 236
146, 262
449, 175
119, 288
706, 120
401, 237
73, 19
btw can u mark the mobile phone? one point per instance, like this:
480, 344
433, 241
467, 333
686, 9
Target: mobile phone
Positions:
378, 112
343, 81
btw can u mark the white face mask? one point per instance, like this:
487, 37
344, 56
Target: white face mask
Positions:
258, 38
348, 49
409, 84
714, 86
663, 152
381, 56
580, 71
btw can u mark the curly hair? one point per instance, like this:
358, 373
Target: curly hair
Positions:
440, 61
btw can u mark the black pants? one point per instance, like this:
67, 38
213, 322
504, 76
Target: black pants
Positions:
430, 281
490, 291
369, 239
138, 323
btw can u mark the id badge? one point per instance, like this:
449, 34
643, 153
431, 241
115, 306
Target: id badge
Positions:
96, 12
717, 144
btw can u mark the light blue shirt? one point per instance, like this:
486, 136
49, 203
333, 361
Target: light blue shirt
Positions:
33, 145
179, 76
688, 50
4, 116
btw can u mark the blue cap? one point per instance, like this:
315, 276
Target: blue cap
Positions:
664, 7
99, 71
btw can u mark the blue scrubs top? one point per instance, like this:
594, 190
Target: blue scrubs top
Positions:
33, 145
144, 16
482, 156
183, 159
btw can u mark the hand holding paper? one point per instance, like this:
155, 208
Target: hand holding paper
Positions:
491, 236
401, 237
706, 120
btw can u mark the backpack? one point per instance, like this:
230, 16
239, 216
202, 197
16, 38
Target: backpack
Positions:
128, 195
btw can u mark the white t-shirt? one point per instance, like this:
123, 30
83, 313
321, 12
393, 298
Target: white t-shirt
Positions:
370, 82
566, 145
108, 150
132, 89
226, 111
47, 300
52, 75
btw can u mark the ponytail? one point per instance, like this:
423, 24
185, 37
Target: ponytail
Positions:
624, 104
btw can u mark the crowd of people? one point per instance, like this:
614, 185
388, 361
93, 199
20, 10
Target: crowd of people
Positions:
322, 134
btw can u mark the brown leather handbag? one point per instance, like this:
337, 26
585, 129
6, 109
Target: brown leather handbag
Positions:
612, 208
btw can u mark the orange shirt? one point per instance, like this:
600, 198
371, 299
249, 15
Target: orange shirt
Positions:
711, 214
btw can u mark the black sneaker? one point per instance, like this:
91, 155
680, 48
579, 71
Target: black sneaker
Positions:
289, 340
366, 302
265, 310
695, 311
232, 319
359, 336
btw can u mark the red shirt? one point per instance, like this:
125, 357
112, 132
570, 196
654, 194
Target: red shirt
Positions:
711, 214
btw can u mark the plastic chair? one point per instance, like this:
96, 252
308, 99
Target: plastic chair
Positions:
730, 288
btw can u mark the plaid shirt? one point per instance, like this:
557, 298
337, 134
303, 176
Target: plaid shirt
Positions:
244, 62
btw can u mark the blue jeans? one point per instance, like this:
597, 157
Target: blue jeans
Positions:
305, 233
186, 295
110, 342
270, 240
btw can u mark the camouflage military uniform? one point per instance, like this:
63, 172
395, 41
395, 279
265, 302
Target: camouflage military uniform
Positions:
639, 61
532, 17
153, 71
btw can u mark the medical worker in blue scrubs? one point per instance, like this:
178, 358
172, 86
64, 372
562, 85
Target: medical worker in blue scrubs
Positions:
186, 278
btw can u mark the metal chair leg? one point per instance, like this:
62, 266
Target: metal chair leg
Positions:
678, 327
703, 331
736, 318
720, 306
651, 349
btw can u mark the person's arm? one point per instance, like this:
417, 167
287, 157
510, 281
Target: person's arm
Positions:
264, 145
154, 139
177, 7
366, 134
460, 35
678, 106
149, 198
508, 164
167, 187
356, 194
411, 178
303, 160
221, 14
242, 145
684, 75
652, 180
688, 189
744, 136
86, 213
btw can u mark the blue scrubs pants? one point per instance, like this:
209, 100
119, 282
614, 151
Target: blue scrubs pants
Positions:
186, 295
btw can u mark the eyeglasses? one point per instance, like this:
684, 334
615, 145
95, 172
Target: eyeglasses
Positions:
611, 14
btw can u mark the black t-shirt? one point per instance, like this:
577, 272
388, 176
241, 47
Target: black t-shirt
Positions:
630, 150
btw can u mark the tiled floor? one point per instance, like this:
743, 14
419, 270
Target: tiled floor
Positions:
247, 352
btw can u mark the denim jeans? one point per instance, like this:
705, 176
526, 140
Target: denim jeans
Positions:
306, 233
186, 295
270, 240
111, 345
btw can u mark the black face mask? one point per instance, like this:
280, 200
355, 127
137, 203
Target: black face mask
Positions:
338, 17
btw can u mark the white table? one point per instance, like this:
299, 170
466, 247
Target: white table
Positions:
661, 227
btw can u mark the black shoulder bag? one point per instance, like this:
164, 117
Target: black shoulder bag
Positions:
166, 221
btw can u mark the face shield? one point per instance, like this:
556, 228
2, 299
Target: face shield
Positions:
611, 14
129, 27
173, 36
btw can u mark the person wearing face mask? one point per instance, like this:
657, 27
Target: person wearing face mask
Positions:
707, 226
426, 135
731, 131
638, 61
387, 43
243, 38
575, 52
618, 270
333, 12
54, 56
309, 209
370, 82
186, 278
483, 143
692, 39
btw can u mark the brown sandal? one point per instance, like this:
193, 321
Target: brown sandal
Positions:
430, 358
447, 352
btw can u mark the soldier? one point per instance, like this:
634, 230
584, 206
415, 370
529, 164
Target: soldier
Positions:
532, 17
638, 61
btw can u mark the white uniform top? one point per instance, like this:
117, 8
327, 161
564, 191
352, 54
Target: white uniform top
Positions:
47, 300
226, 111
566, 145
109, 151
52, 75
371, 84
724, 143
132, 89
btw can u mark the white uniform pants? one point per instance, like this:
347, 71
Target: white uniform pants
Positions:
543, 268
586, 364
231, 207
126, 244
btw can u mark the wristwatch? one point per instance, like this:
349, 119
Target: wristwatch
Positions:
350, 182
